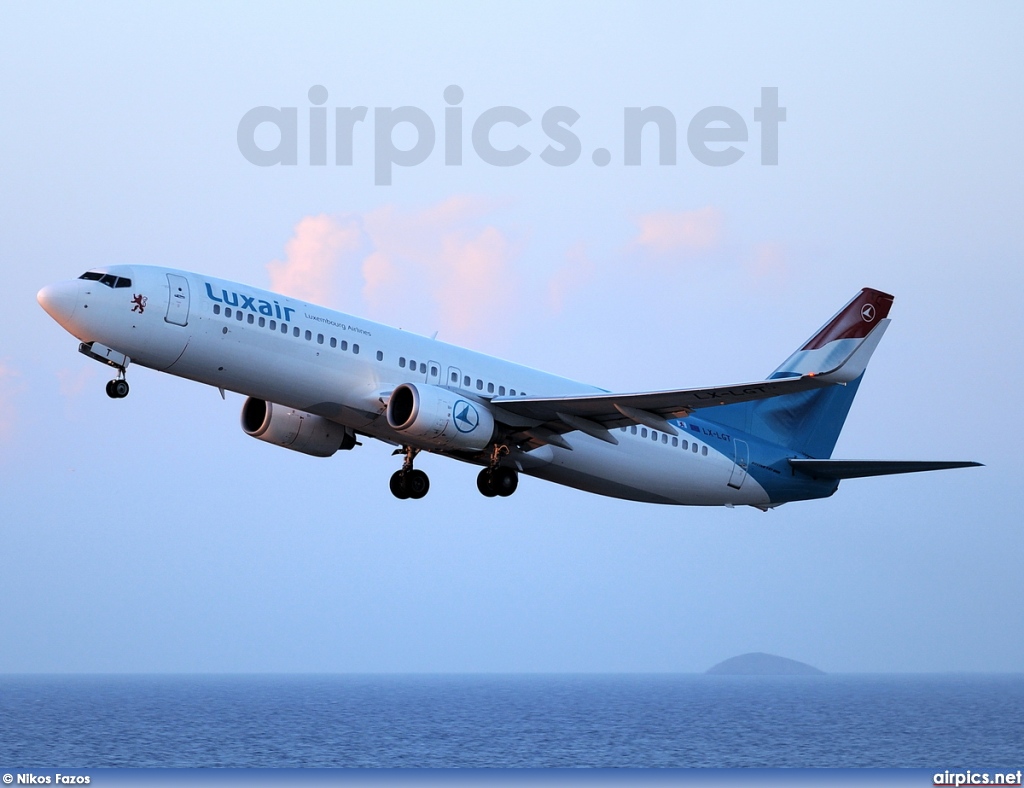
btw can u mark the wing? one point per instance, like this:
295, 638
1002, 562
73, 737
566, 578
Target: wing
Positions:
544, 419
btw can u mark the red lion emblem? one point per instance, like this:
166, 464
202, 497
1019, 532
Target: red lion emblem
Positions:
139, 304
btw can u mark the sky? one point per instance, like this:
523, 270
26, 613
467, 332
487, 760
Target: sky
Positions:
152, 535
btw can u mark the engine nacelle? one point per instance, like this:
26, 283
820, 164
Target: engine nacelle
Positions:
439, 418
294, 429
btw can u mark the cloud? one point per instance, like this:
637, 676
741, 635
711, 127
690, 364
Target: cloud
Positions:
670, 232
768, 261
570, 277
442, 267
313, 256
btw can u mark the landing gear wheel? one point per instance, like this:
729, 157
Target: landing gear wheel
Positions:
117, 389
504, 481
485, 483
416, 483
400, 485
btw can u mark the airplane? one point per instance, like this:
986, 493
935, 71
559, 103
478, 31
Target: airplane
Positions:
317, 380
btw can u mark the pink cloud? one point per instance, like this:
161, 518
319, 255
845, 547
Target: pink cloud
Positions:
313, 258
667, 232
576, 272
768, 261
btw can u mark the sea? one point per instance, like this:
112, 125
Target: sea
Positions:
934, 722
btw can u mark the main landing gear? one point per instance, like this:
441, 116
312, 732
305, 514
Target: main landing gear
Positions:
409, 482
495, 479
118, 387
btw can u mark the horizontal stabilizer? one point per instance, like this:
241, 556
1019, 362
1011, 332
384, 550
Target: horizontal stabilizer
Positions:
859, 469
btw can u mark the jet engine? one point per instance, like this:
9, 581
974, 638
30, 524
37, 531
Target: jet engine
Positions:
294, 429
440, 418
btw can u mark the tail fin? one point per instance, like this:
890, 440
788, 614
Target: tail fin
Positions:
810, 422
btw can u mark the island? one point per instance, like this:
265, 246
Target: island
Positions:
759, 664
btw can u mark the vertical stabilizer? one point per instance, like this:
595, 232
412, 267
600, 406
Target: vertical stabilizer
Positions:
810, 422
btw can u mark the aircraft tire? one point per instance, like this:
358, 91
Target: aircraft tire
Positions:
120, 388
485, 483
110, 389
504, 481
417, 483
399, 485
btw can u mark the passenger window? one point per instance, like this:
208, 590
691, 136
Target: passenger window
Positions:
675, 441
490, 388
334, 342
643, 432
512, 392
273, 325
319, 339
695, 448
654, 436
263, 322
686, 445
465, 381
216, 309
238, 315
309, 335
251, 318
632, 429
455, 377
355, 349
433, 372
412, 365
227, 311
479, 385
284, 328
704, 450
380, 355
664, 438
423, 368
344, 344
501, 391
295, 331
401, 362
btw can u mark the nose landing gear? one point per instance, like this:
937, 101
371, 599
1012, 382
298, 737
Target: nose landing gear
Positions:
409, 482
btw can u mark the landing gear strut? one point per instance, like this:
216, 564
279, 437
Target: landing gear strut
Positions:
497, 479
409, 482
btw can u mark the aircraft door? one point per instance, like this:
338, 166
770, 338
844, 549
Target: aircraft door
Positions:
739, 469
177, 300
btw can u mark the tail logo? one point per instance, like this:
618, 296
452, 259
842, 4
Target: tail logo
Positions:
867, 313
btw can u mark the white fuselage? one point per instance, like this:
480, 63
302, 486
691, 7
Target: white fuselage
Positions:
343, 368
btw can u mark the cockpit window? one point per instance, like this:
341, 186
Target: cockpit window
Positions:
107, 279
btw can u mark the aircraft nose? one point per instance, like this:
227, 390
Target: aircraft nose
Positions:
59, 300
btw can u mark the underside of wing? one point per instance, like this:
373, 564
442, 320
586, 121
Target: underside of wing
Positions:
859, 469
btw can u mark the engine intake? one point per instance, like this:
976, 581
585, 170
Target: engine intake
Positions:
439, 418
294, 429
